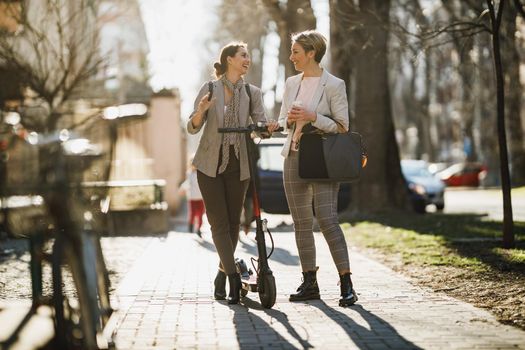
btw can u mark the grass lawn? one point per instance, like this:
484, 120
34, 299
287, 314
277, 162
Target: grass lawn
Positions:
461, 240
458, 254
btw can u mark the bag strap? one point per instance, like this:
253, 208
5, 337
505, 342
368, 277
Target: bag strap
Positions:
210, 88
310, 129
249, 92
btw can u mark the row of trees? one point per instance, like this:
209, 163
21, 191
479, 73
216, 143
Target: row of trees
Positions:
52, 49
60, 66
439, 60
442, 68
54, 53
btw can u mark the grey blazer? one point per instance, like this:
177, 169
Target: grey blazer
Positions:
329, 102
206, 158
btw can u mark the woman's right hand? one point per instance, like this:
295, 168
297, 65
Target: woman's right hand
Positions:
198, 117
204, 104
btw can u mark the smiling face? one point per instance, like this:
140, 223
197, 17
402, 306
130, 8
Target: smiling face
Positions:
300, 58
240, 62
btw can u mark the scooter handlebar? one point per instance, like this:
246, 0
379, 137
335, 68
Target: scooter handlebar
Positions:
259, 127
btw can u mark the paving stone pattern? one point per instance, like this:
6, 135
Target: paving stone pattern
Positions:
166, 302
15, 279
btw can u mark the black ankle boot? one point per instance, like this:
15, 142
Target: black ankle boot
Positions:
308, 290
220, 286
348, 294
234, 295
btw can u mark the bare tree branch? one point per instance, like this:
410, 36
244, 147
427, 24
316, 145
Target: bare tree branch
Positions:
464, 29
429, 34
55, 52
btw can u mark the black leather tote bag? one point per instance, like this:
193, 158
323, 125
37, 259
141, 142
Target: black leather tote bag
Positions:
331, 157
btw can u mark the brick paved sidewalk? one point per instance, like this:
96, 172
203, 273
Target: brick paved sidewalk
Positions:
165, 302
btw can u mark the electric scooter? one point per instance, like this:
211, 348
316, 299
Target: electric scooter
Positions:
263, 281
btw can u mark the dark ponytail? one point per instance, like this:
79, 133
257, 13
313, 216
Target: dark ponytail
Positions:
219, 69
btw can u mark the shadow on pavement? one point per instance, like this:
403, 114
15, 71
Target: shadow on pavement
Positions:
280, 255
282, 227
13, 249
378, 334
264, 335
205, 244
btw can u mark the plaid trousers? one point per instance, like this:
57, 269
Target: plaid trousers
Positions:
300, 194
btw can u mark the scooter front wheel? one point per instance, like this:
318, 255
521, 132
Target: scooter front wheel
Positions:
268, 292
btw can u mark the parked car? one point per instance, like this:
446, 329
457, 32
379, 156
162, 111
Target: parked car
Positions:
463, 174
270, 167
424, 188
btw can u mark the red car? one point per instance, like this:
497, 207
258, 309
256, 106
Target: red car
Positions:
463, 174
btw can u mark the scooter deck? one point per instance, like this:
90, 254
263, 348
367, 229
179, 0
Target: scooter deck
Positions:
250, 284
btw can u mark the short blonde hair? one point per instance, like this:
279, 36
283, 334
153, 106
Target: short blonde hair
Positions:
311, 40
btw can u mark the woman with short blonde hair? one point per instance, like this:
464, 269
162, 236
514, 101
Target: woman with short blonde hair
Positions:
310, 40
317, 100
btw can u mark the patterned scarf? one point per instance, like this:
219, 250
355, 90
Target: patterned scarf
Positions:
231, 120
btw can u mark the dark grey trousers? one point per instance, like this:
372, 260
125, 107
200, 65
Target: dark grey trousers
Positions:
224, 197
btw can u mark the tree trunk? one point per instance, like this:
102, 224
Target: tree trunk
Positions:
426, 116
485, 102
297, 16
513, 92
467, 105
382, 187
466, 68
255, 74
342, 62
508, 224
341, 45
425, 147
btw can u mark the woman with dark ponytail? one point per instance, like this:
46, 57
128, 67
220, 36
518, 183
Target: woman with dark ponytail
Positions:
221, 159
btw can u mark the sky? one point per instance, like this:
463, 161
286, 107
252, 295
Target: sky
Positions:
177, 31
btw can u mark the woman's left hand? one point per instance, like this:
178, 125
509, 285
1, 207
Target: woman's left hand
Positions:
272, 126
